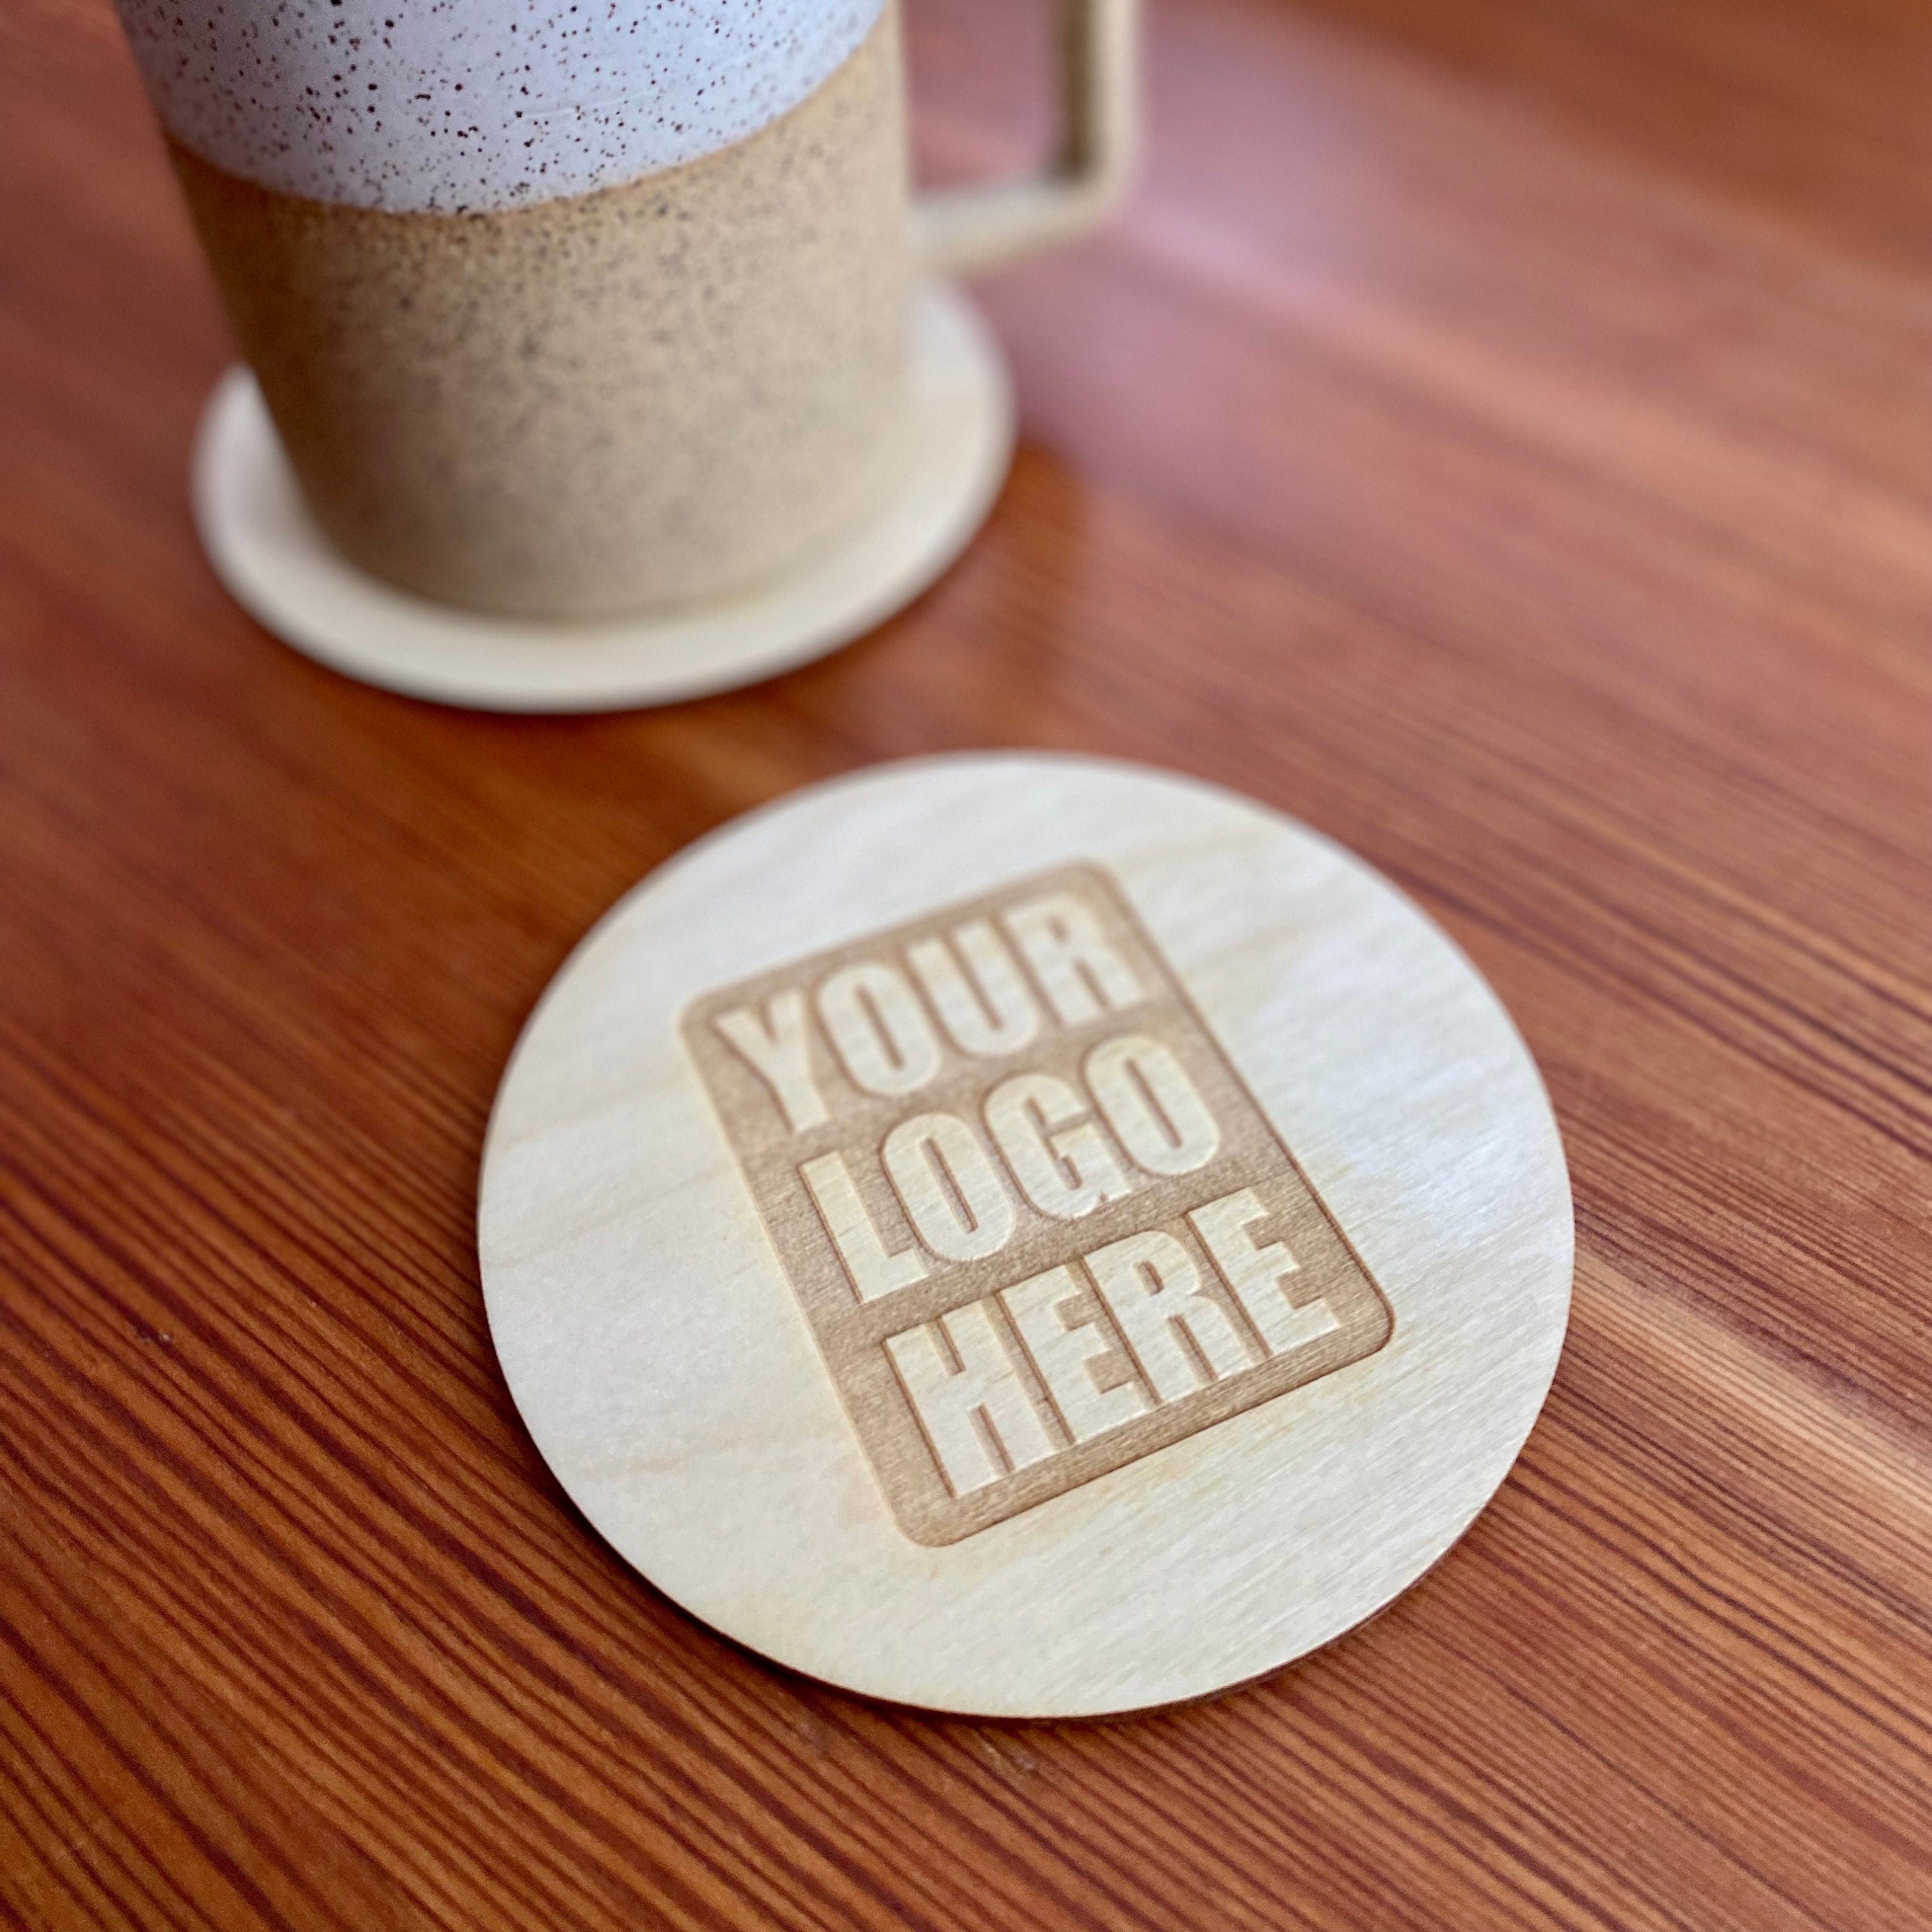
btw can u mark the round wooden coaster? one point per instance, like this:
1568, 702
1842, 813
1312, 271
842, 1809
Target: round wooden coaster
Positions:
1024, 1235
267, 550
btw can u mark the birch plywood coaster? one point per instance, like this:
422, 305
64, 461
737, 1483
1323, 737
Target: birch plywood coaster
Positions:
957, 444
1025, 1236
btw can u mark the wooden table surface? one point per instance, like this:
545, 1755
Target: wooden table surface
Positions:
1498, 434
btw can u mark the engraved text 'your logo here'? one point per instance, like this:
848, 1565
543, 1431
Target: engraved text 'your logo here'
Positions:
1038, 1226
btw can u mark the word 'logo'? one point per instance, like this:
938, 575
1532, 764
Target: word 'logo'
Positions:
1037, 1225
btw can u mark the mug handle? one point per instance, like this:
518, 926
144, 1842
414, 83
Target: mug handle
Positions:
962, 231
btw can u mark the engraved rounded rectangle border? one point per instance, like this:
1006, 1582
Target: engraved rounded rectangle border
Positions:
1037, 1225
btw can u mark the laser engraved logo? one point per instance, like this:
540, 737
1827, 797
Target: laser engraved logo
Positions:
1037, 1225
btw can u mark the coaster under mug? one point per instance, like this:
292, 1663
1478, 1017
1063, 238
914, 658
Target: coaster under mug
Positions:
1025, 1236
265, 548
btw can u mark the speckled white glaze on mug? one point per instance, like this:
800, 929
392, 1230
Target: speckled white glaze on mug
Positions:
449, 106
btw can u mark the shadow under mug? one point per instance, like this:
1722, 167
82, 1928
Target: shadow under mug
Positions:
559, 320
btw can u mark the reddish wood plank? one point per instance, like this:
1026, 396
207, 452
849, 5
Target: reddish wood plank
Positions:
1498, 434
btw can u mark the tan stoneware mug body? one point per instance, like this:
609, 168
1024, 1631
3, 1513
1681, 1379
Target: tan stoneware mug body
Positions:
563, 312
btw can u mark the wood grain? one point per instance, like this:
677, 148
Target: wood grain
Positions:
1497, 436
822, 1398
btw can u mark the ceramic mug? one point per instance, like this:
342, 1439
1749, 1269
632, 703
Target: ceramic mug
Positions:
560, 313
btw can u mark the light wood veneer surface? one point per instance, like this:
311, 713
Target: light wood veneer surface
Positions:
1100, 1359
